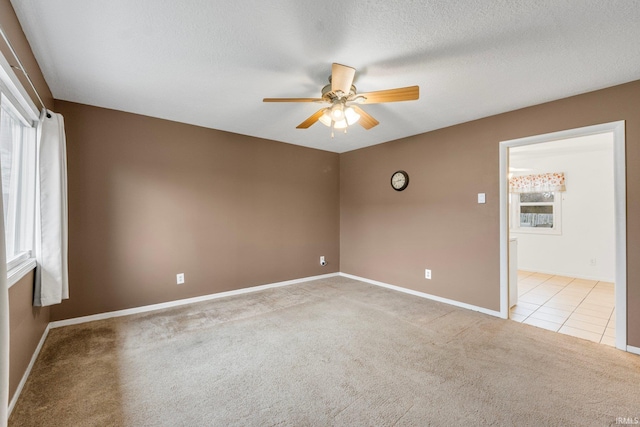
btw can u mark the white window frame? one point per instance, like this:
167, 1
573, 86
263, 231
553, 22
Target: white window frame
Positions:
19, 266
514, 201
12, 89
21, 237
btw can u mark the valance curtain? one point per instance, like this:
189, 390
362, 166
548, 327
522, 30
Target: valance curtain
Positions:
52, 280
540, 183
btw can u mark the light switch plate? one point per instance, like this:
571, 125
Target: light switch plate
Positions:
482, 198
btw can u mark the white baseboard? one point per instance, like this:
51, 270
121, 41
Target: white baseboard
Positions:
160, 306
119, 313
424, 295
23, 381
565, 274
634, 350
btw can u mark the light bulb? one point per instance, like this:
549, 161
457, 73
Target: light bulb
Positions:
351, 116
337, 112
325, 118
340, 124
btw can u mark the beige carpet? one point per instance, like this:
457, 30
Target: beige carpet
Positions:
329, 352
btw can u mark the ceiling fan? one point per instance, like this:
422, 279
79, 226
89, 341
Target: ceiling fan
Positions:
341, 94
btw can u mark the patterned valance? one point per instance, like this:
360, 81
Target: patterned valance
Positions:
537, 183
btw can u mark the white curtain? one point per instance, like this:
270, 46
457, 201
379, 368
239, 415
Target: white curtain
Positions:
4, 327
51, 281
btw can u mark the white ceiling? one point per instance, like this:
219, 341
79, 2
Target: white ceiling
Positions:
210, 63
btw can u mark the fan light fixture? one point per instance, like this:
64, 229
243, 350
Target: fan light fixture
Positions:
340, 94
339, 117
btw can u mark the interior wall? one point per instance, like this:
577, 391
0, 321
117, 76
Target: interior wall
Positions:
437, 223
150, 198
27, 324
586, 246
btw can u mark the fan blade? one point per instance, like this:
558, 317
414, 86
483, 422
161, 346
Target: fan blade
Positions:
311, 120
409, 93
342, 78
293, 100
366, 120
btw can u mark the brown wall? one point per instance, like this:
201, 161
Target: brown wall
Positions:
27, 325
436, 222
150, 198
13, 30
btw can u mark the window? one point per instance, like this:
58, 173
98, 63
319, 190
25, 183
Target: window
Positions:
18, 168
536, 212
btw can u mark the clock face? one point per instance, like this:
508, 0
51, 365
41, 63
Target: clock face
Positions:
399, 180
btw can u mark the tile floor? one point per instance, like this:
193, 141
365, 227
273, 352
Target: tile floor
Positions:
578, 307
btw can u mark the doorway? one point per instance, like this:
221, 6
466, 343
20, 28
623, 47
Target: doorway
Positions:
548, 218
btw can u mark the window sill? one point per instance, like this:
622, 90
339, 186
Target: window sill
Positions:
540, 231
18, 272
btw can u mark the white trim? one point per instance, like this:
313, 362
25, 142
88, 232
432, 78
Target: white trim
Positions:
620, 200
504, 231
15, 274
424, 295
153, 307
16, 92
618, 130
27, 372
560, 273
18, 259
176, 303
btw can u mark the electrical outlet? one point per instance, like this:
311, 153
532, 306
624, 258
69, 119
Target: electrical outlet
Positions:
322, 261
427, 274
180, 278
592, 262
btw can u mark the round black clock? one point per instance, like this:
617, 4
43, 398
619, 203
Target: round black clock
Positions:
399, 180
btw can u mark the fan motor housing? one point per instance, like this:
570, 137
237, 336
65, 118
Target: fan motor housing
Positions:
331, 96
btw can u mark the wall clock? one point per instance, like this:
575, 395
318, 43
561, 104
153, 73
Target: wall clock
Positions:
399, 180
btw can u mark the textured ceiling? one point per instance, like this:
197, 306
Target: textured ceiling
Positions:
210, 63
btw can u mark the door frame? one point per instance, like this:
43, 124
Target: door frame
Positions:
620, 215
